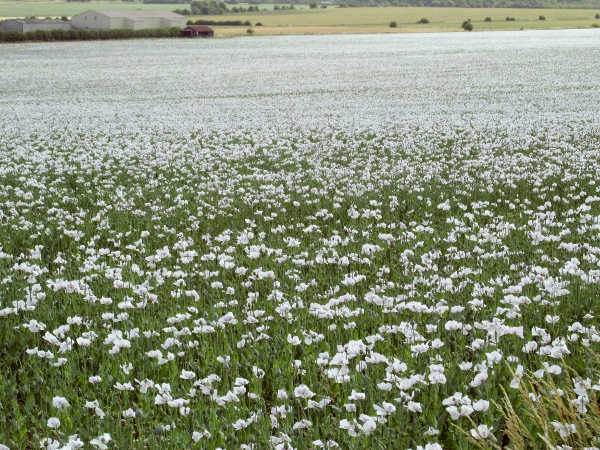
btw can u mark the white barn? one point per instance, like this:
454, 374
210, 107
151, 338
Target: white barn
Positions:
25, 25
134, 20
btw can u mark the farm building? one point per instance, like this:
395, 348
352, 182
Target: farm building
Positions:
134, 20
25, 25
197, 30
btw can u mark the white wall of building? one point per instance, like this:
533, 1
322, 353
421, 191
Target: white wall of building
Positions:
92, 20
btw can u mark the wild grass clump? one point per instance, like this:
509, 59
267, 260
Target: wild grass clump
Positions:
545, 413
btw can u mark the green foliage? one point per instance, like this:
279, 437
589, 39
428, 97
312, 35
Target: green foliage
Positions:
597, 16
468, 26
510, 19
595, 25
488, 19
88, 35
223, 23
542, 18
424, 20
208, 8
250, 31
393, 24
258, 24
313, 5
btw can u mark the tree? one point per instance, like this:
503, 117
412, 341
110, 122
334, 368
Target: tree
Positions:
208, 7
250, 31
313, 5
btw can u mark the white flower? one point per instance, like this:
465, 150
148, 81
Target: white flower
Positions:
479, 379
482, 432
101, 441
368, 427
302, 424
356, 395
294, 340
481, 405
414, 407
494, 357
281, 394
564, 429
185, 375
303, 391
60, 402
53, 422
385, 409
346, 425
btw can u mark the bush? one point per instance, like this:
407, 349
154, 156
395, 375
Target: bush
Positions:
465, 23
258, 24
596, 25
488, 19
597, 16
313, 5
424, 20
250, 31
510, 19
393, 24
247, 23
468, 26
542, 17
86, 35
13, 36
226, 23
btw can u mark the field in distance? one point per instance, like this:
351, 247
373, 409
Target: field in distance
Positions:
17, 9
377, 20
304, 20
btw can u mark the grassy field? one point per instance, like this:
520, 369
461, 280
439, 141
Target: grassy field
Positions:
377, 20
336, 20
11, 9
333, 20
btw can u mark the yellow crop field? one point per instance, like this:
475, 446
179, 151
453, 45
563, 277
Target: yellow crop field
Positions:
369, 20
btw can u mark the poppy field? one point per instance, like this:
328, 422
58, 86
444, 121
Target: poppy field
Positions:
296, 242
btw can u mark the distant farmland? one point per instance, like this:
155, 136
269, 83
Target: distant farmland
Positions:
303, 20
352, 20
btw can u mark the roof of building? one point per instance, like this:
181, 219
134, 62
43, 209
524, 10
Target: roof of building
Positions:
135, 14
38, 21
198, 28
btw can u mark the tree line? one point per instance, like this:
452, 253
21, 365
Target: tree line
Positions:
88, 35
